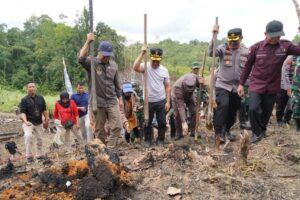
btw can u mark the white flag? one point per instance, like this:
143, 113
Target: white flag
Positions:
67, 79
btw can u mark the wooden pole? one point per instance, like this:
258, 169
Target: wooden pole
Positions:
212, 80
92, 100
199, 97
297, 10
146, 106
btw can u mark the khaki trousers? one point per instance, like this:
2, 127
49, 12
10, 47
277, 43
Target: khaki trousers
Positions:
112, 115
61, 130
29, 133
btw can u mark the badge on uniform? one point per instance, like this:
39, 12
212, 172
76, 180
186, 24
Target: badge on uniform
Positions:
98, 70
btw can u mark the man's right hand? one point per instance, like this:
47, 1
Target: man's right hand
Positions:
240, 90
90, 37
28, 123
215, 29
144, 49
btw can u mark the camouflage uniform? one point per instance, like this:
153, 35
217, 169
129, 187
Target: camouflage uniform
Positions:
296, 91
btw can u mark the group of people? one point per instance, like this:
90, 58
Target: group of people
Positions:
246, 80
70, 115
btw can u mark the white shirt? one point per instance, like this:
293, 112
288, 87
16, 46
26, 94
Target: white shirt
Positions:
157, 78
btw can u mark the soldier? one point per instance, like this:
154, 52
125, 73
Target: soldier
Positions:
295, 99
183, 94
232, 58
283, 113
195, 68
264, 63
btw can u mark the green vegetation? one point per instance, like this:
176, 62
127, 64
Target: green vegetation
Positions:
36, 52
11, 98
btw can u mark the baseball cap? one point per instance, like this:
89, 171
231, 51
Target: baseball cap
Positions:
106, 48
275, 28
127, 87
195, 65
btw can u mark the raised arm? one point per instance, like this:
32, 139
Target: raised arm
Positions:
137, 63
84, 50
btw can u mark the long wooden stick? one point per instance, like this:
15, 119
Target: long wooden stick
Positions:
146, 106
212, 79
297, 10
92, 99
199, 97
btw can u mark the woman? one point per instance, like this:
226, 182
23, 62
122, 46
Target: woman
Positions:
129, 102
66, 119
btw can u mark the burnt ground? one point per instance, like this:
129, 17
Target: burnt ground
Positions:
190, 168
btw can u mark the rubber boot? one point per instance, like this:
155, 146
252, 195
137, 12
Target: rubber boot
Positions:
297, 125
217, 144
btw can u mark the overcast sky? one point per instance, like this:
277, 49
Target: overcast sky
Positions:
181, 20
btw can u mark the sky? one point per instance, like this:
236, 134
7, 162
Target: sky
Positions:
181, 20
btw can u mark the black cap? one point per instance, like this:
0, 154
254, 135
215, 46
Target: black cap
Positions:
234, 34
156, 54
275, 28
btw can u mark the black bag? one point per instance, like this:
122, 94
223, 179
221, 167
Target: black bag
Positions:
68, 124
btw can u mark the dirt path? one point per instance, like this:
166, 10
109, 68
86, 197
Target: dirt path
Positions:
272, 170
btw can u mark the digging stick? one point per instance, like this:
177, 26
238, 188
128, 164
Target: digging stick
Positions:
199, 97
146, 106
212, 81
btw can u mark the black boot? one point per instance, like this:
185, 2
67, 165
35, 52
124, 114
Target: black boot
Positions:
230, 136
297, 125
222, 138
245, 125
127, 137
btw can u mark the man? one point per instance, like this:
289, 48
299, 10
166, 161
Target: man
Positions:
33, 107
183, 94
283, 113
265, 62
195, 68
232, 58
108, 90
159, 90
81, 99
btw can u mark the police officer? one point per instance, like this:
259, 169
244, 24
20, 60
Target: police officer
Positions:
232, 57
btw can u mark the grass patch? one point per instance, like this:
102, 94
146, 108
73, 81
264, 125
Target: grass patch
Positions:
10, 98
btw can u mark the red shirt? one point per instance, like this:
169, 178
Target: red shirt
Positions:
65, 114
265, 63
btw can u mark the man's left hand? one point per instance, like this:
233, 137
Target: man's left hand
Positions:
46, 124
167, 106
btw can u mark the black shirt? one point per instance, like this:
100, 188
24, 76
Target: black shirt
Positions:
33, 107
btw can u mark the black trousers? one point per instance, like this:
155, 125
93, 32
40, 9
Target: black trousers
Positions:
282, 112
172, 125
260, 110
225, 113
157, 108
244, 112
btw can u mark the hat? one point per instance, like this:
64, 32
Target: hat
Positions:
275, 28
156, 54
127, 87
234, 34
195, 65
106, 48
189, 83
